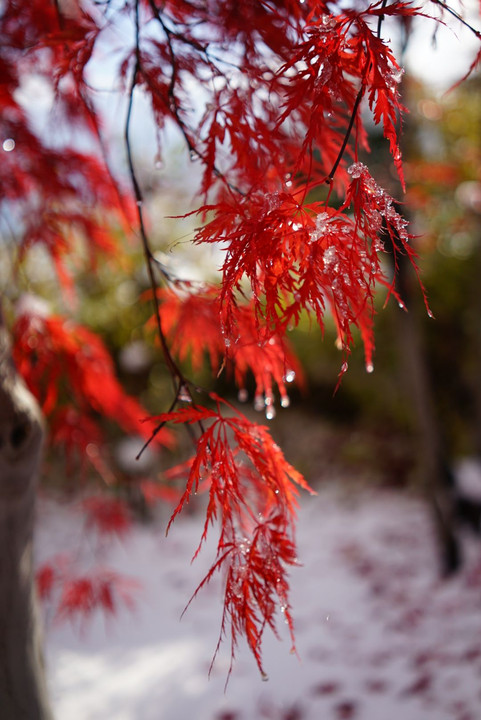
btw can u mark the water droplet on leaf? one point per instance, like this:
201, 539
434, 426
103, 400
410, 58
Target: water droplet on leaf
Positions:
259, 403
396, 74
270, 412
356, 169
184, 395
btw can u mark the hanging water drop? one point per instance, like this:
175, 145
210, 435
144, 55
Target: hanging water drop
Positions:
8, 145
290, 376
184, 395
270, 412
259, 403
285, 401
369, 368
242, 395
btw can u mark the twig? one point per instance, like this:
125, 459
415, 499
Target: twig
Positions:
175, 371
458, 17
355, 108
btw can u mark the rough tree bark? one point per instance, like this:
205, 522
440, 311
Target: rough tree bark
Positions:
23, 692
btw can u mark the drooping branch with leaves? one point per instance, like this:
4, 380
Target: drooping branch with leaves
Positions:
270, 99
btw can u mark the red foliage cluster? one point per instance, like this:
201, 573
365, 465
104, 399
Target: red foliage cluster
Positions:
190, 321
275, 124
81, 595
68, 368
252, 497
107, 515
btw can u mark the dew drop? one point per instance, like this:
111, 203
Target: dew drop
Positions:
184, 395
369, 368
396, 74
259, 403
270, 412
264, 677
430, 314
290, 376
8, 145
227, 342
242, 395
285, 401
356, 169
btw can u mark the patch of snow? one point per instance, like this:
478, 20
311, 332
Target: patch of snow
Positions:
379, 635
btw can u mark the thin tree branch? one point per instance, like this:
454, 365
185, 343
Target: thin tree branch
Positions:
458, 17
171, 364
355, 108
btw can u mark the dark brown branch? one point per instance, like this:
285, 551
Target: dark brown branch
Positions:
458, 17
347, 135
179, 381
171, 364
355, 109
174, 108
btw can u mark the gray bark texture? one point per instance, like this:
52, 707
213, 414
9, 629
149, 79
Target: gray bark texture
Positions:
23, 690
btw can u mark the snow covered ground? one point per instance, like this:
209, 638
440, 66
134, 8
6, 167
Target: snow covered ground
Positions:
379, 635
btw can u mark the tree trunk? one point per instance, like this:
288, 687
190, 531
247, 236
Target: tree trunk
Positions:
438, 481
23, 693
